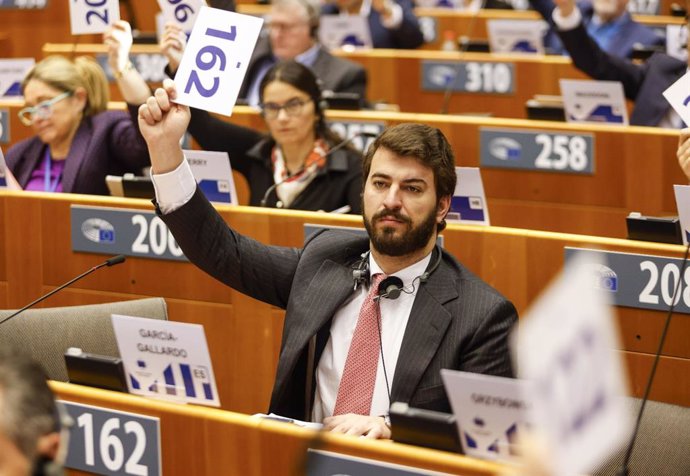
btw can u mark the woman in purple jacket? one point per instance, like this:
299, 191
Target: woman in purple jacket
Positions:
77, 142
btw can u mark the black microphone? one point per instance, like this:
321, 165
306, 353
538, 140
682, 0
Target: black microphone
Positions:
109, 262
390, 288
339, 146
623, 470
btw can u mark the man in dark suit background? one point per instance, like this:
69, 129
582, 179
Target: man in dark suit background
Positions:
608, 22
445, 317
643, 83
292, 27
393, 23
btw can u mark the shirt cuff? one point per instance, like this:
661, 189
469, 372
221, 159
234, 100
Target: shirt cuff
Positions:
396, 18
569, 22
174, 189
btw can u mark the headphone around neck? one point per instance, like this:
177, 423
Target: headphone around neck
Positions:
392, 286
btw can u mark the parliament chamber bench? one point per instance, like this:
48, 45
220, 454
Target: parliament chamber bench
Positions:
413, 80
204, 441
633, 169
243, 335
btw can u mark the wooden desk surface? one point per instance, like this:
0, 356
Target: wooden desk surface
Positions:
204, 441
244, 335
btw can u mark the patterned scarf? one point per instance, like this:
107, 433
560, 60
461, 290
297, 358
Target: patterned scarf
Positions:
292, 186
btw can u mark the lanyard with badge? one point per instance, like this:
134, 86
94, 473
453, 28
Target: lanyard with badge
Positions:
48, 185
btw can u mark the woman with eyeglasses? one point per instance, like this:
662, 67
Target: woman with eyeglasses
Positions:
77, 142
291, 167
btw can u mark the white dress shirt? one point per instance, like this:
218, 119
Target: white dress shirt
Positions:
394, 317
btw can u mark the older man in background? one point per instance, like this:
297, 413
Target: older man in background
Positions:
292, 27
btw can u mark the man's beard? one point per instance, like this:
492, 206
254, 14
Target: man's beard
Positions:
413, 239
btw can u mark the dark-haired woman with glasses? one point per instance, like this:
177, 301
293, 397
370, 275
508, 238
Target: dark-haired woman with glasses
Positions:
291, 166
77, 142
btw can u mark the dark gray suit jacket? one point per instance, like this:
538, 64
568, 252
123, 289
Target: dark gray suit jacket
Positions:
457, 321
336, 74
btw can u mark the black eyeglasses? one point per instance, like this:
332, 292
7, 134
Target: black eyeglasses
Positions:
293, 107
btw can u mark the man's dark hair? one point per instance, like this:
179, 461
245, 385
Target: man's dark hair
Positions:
27, 405
426, 144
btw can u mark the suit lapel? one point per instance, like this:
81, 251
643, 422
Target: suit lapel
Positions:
77, 155
329, 288
425, 330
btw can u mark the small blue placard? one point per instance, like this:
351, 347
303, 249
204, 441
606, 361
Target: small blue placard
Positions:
638, 281
106, 230
468, 77
547, 151
111, 442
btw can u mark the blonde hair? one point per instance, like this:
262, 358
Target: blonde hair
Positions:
68, 75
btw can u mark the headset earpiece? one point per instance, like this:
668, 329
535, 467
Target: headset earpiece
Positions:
360, 274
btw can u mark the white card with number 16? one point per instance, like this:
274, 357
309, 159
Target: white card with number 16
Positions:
216, 59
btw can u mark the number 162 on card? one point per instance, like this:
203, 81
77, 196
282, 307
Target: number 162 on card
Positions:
216, 59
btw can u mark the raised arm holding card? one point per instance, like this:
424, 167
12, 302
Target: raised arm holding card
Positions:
393, 23
643, 83
608, 22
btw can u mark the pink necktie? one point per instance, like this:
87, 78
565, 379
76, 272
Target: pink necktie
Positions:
359, 376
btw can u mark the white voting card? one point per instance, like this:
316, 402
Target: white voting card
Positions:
565, 347
181, 12
682, 193
344, 31
490, 411
12, 72
468, 204
166, 359
516, 36
213, 174
7, 180
216, 59
594, 101
678, 96
88, 16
